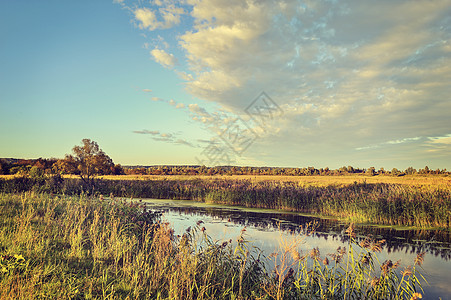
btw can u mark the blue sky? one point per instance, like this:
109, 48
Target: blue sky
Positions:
359, 83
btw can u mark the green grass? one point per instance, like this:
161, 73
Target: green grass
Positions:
84, 247
385, 204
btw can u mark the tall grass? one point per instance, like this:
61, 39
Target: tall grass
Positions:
87, 248
69, 246
420, 206
82, 247
353, 273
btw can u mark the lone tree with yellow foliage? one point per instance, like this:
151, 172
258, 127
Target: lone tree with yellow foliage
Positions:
87, 161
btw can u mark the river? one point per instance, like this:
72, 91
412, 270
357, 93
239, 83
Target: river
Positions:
266, 228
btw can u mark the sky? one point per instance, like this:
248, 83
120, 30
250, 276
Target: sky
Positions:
239, 82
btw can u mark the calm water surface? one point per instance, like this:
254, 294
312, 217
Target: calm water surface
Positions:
265, 229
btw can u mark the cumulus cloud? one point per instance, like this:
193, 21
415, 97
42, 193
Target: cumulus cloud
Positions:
214, 122
165, 16
171, 15
163, 58
350, 75
196, 109
344, 73
146, 18
185, 76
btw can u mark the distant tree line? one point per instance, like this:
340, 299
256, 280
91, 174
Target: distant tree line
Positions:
104, 166
88, 161
236, 170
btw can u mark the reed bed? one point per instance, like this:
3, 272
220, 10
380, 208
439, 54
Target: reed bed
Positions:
86, 247
380, 203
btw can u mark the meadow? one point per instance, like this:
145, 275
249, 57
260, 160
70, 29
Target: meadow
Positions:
426, 204
312, 180
92, 247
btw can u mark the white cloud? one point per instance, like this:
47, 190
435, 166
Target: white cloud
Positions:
185, 76
146, 18
165, 137
163, 58
183, 142
441, 140
166, 16
180, 105
171, 15
145, 131
196, 109
395, 142
349, 75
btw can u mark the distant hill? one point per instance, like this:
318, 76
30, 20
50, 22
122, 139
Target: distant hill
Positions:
9, 160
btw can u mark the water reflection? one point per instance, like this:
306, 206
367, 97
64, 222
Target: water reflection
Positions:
223, 223
433, 242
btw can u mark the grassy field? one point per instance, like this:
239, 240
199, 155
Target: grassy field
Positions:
80, 247
435, 180
432, 180
419, 205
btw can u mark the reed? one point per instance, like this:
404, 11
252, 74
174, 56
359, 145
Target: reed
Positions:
381, 203
84, 247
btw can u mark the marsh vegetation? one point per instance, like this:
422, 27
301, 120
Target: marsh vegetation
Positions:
425, 206
89, 247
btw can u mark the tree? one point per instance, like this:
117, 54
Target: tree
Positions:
89, 160
343, 170
66, 165
395, 172
424, 171
410, 171
371, 171
117, 170
36, 173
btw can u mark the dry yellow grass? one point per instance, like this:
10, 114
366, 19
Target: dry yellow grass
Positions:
431, 180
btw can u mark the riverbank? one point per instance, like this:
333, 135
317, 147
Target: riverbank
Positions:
422, 206
312, 180
87, 247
